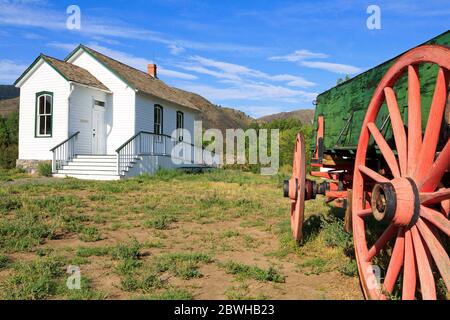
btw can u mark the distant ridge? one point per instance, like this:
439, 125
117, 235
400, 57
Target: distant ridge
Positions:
214, 116
306, 116
8, 92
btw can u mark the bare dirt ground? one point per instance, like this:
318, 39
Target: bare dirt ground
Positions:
211, 236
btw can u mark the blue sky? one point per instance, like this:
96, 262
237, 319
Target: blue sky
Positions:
260, 57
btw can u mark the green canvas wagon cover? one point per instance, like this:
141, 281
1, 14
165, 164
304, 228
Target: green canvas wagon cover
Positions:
344, 106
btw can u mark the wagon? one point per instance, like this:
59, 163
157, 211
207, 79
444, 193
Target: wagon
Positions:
381, 147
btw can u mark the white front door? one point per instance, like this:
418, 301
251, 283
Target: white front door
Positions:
98, 128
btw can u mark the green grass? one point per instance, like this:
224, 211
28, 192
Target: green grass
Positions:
45, 169
169, 294
5, 261
127, 250
162, 222
86, 252
9, 203
252, 272
89, 234
183, 265
222, 213
24, 231
34, 280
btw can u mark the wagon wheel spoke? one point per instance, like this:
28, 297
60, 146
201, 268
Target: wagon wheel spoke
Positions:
414, 118
384, 148
396, 262
409, 269
427, 285
364, 213
430, 138
438, 253
435, 197
437, 170
372, 174
397, 128
387, 235
436, 218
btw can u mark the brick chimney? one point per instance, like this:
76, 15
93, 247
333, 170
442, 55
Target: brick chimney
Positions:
151, 69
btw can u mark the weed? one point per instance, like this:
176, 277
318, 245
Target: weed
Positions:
89, 234
184, 265
314, 265
4, 262
170, 294
23, 232
162, 222
128, 250
9, 203
252, 272
38, 279
45, 169
92, 251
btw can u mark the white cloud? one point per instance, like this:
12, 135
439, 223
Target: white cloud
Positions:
10, 70
234, 73
299, 55
252, 91
176, 49
30, 15
176, 74
332, 67
302, 57
129, 59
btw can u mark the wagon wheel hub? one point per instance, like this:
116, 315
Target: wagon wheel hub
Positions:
290, 189
397, 201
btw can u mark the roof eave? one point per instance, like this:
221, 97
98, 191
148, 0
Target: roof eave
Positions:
170, 101
89, 86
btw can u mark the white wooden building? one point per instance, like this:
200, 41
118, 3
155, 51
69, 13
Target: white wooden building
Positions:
97, 118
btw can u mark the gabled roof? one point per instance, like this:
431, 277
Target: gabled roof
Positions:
68, 71
136, 79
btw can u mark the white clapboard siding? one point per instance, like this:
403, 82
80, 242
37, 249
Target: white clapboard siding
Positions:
44, 78
145, 113
121, 118
80, 116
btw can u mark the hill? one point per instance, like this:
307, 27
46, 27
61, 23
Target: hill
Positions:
304, 115
214, 116
8, 92
8, 106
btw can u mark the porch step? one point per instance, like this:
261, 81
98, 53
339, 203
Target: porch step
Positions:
91, 167
96, 156
88, 176
94, 167
97, 171
73, 167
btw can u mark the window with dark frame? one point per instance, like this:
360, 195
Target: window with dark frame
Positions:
158, 121
180, 125
44, 114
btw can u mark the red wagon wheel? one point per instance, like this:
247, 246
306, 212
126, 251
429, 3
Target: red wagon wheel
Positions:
295, 188
409, 198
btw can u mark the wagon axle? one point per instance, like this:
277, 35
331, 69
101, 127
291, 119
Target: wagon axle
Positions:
397, 201
312, 188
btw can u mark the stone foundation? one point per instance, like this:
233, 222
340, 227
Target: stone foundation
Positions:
30, 166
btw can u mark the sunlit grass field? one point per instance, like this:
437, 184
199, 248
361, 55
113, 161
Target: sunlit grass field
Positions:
217, 235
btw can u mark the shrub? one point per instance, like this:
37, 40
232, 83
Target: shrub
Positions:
45, 169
